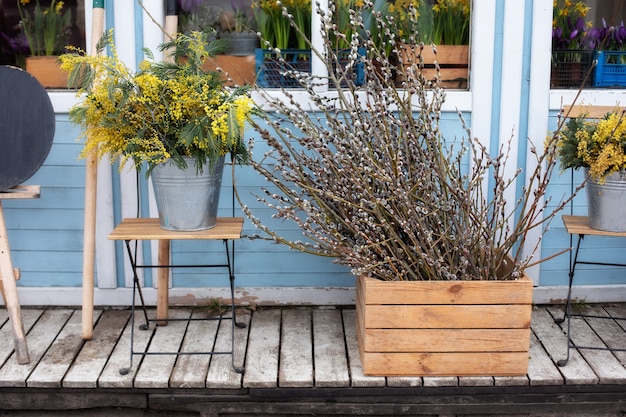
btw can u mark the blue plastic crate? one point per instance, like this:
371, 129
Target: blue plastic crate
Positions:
272, 71
611, 69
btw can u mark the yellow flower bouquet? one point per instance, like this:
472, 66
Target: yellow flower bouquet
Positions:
599, 145
165, 111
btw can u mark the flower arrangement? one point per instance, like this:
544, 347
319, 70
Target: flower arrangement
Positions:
47, 28
451, 22
165, 111
371, 180
599, 145
276, 29
240, 20
568, 25
198, 16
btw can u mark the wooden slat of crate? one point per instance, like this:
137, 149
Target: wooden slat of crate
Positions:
453, 363
446, 292
498, 316
447, 340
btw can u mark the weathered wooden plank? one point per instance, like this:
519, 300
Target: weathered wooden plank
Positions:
120, 358
190, 370
577, 371
329, 350
296, 356
476, 381
440, 381
603, 362
405, 381
263, 349
221, 373
155, 369
541, 368
613, 333
95, 353
57, 360
354, 358
40, 338
29, 317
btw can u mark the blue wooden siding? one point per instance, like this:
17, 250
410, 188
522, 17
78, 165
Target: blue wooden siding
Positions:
46, 234
594, 248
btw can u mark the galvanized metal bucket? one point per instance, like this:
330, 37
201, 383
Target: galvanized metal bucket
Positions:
187, 200
606, 203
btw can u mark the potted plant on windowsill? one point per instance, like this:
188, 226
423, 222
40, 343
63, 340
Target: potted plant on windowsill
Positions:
284, 41
446, 25
599, 147
171, 116
47, 30
429, 224
572, 55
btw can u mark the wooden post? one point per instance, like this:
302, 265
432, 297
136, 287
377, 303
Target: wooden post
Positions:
10, 294
91, 180
163, 282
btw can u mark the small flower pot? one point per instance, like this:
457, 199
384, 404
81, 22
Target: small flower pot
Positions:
47, 70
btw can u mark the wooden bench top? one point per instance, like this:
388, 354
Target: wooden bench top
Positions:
579, 225
150, 229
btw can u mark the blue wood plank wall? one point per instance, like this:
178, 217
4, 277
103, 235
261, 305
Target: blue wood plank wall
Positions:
46, 235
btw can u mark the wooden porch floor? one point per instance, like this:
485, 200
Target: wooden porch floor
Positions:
298, 361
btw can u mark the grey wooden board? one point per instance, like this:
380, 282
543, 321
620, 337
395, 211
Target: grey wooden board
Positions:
440, 381
263, 350
39, 339
29, 317
476, 381
541, 368
221, 373
53, 366
612, 332
554, 341
26, 126
405, 381
329, 350
95, 353
605, 364
120, 358
155, 370
296, 357
191, 370
354, 357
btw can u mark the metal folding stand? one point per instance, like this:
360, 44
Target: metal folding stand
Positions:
227, 229
579, 225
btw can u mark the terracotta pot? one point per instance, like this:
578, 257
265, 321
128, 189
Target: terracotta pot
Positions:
240, 69
444, 328
47, 70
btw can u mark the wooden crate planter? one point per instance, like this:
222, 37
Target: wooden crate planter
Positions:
444, 328
453, 63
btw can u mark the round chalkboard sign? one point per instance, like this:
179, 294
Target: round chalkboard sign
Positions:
26, 126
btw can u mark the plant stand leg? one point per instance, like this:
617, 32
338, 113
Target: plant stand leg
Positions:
10, 294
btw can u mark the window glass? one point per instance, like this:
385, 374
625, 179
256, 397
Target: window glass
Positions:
15, 45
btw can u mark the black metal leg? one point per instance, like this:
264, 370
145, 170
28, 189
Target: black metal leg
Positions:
136, 289
567, 314
234, 323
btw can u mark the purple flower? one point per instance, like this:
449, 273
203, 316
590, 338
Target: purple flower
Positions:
18, 44
189, 6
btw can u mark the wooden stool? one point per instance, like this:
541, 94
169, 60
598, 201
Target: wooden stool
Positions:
8, 273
